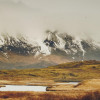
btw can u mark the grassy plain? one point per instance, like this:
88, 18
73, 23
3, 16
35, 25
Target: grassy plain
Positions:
72, 71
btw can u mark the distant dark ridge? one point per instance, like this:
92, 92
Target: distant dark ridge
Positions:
77, 64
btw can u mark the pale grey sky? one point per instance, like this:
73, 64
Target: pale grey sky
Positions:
33, 17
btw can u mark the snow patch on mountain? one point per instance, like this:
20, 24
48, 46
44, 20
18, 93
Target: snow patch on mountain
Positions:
78, 42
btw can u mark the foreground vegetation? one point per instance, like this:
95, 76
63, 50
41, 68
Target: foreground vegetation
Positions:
48, 96
72, 71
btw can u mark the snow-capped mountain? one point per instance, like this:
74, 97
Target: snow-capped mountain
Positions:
71, 47
54, 49
17, 45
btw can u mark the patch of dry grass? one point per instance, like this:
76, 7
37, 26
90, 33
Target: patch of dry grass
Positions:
48, 96
89, 84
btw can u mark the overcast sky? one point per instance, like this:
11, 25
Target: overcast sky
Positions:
33, 17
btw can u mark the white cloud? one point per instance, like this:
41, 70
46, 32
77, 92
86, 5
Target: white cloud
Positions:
33, 17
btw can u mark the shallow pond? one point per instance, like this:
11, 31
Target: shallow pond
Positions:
74, 83
23, 88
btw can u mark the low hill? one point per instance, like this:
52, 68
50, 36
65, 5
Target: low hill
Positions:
16, 61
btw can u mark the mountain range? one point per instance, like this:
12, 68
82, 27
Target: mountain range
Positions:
55, 48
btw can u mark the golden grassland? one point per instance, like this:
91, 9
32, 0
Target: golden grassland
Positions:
72, 71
